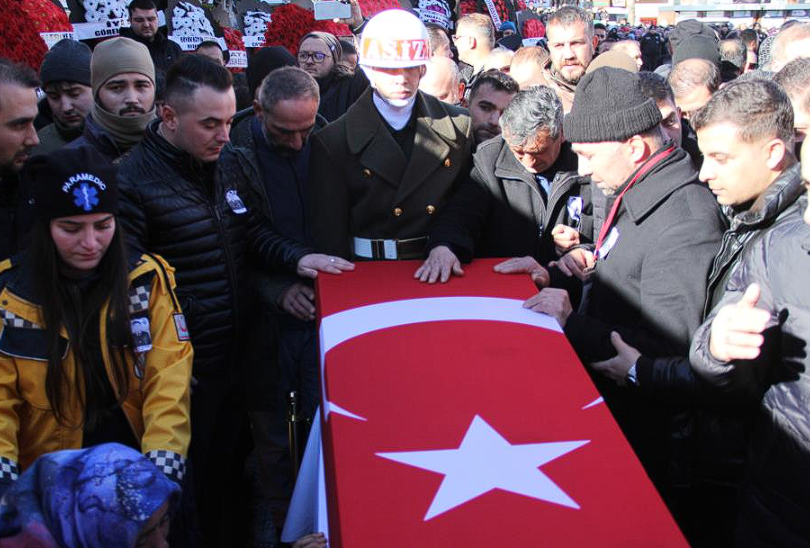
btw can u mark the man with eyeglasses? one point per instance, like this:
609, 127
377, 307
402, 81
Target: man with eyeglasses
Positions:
320, 54
381, 172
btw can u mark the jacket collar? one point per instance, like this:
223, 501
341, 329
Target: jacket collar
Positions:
781, 193
508, 167
363, 127
20, 280
368, 138
99, 138
554, 76
672, 173
181, 161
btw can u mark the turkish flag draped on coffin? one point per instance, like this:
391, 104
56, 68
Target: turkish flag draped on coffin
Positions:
454, 417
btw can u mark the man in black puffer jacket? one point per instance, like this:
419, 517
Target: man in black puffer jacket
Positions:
196, 209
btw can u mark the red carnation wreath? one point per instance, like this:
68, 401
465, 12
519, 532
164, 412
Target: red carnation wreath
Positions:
233, 39
466, 7
370, 8
533, 28
291, 23
19, 36
47, 16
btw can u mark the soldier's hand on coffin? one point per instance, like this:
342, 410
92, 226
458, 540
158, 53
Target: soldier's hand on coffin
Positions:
577, 262
616, 368
298, 301
439, 265
736, 330
310, 265
551, 301
525, 265
565, 238
315, 540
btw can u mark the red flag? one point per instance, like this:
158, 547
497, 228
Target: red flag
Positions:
454, 417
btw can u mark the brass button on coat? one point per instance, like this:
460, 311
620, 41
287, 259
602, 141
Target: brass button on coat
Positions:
397, 211
430, 210
366, 173
447, 162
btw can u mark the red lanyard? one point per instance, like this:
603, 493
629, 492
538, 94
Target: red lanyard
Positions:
651, 163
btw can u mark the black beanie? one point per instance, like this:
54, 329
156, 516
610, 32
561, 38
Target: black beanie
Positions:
263, 62
67, 61
687, 29
72, 181
609, 105
697, 47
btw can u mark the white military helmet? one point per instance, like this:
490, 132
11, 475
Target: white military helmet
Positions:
394, 39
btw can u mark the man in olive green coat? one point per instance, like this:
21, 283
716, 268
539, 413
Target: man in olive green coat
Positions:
381, 172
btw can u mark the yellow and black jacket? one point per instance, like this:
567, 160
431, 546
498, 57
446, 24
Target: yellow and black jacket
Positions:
157, 406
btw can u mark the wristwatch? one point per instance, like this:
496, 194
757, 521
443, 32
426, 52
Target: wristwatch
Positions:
631, 374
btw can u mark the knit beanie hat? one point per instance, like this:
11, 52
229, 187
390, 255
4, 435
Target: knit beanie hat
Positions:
615, 59
72, 181
67, 61
508, 25
331, 42
609, 105
687, 29
117, 56
265, 61
697, 47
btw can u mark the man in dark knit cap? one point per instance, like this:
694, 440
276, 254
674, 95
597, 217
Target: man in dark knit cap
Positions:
65, 76
653, 252
683, 32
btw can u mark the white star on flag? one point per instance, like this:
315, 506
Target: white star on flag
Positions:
485, 461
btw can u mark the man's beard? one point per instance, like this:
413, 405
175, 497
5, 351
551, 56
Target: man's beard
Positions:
571, 81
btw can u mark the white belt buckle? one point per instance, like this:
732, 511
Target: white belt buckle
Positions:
362, 248
390, 249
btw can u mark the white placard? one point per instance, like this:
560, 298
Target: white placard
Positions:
238, 59
100, 29
253, 41
190, 43
51, 38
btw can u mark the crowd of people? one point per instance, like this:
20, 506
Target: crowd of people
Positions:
159, 245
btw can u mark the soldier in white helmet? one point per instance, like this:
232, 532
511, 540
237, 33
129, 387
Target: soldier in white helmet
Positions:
381, 172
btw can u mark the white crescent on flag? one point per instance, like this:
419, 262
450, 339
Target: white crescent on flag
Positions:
343, 326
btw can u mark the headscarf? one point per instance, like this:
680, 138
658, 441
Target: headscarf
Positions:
100, 497
333, 44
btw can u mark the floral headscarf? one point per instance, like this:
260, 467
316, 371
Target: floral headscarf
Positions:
99, 497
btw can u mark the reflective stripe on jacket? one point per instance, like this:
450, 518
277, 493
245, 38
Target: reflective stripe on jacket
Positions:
157, 406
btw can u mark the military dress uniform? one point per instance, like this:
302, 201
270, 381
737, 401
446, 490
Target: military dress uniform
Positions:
369, 198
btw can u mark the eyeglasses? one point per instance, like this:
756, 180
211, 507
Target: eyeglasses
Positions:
314, 56
456, 37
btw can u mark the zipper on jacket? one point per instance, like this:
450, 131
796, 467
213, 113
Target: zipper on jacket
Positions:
223, 233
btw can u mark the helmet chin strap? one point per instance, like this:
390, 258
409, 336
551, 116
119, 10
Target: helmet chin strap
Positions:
396, 112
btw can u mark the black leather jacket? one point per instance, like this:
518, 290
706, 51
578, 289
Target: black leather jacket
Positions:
204, 219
